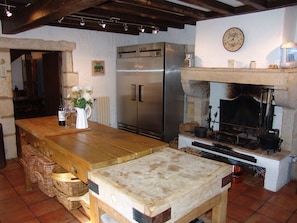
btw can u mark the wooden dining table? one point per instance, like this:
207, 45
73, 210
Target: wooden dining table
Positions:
81, 150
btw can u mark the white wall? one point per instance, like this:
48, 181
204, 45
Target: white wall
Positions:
263, 36
264, 33
95, 45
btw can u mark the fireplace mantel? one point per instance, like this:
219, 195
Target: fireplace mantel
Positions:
274, 78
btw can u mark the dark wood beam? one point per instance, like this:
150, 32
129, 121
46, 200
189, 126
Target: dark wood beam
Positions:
212, 5
257, 4
168, 7
144, 13
44, 12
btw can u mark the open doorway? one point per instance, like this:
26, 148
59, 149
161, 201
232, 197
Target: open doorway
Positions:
36, 81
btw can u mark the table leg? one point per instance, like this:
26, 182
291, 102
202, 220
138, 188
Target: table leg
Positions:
219, 212
94, 209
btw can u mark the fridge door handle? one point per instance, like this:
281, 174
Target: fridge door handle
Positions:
140, 93
133, 92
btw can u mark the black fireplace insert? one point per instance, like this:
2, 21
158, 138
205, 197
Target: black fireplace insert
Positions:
240, 121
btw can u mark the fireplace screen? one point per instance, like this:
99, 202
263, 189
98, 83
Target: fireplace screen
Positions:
243, 114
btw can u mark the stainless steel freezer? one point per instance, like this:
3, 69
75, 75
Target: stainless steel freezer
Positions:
149, 92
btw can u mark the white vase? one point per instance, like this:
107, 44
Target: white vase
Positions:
82, 116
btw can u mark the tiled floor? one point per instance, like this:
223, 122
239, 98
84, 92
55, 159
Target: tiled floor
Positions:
248, 202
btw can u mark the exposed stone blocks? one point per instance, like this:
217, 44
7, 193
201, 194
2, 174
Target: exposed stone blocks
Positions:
70, 79
197, 110
6, 108
10, 146
289, 130
6, 86
6, 95
67, 65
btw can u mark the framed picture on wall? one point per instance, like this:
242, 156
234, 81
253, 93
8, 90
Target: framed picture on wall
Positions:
98, 67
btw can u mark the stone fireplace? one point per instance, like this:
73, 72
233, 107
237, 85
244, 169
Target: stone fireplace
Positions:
278, 166
196, 84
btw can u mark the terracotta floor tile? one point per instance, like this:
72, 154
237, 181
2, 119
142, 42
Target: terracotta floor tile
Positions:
12, 204
293, 218
238, 212
254, 181
22, 215
15, 176
7, 193
22, 190
232, 194
46, 206
11, 165
258, 193
34, 196
290, 188
230, 220
239, 187
58, 216
286, 201
258, 218
249, 202
4, 184
275, 212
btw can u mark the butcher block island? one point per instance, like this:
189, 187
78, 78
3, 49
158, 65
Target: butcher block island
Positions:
79, 151
165, 186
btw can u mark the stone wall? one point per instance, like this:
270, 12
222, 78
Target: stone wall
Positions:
69, 79
6, 108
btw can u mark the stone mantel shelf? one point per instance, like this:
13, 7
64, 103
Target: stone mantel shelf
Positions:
274, 78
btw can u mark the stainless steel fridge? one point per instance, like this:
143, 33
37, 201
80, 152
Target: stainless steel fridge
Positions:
150, 99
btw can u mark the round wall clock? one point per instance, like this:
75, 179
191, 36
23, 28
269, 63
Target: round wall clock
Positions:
233, 39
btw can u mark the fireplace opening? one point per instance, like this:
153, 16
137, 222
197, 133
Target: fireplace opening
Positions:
241, 121
242, 114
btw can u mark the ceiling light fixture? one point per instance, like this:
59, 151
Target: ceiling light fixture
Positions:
142, 29
102, 24
60, 20
28, 4
82, 22
125, 27
155, 30
8, 12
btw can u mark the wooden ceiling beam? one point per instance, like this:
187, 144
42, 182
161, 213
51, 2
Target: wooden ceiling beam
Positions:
145, 13
259, 5
167, 7
43, 12
212, 5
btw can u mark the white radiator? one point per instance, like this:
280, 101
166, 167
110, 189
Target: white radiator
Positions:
103, 110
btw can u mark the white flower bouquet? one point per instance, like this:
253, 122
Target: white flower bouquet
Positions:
81, 97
